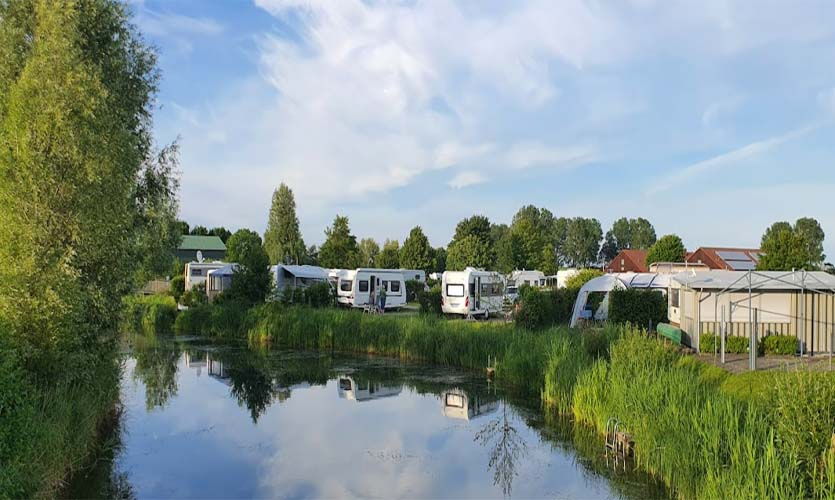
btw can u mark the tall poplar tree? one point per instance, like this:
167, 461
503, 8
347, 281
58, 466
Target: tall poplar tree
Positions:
416, 252
282, 239
340, 249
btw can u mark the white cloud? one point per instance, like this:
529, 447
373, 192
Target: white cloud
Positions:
724, 160
466, 178
179, 29
536, 154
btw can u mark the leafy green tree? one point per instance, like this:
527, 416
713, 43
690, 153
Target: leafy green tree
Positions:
548, 261
509, 253
221, 232
369, 249
533, 230
582, 241
439, 260
182, 227
416, 252
668, 248
559, 235
468, 251
389, 257
81, 190
788, 247
340, 249
627, 233
477, 225
282, 239
251, 282
312, 256
200, 231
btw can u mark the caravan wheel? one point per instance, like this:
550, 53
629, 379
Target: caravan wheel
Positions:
486, 315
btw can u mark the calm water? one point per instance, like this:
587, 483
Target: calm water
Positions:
203, 420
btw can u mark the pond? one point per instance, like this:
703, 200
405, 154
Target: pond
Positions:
205, 420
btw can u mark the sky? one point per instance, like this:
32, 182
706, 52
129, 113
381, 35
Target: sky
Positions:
712, 119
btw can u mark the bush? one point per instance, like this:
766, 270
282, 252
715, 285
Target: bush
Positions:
177, 287
734, 344
639, 307
430, 302
148, 314
195, 296
316, 295
582, 277
540, 309
780, 344
196, 320
413, 288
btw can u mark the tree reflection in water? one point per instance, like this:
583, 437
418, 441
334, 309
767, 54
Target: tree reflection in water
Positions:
507, 448
156, 368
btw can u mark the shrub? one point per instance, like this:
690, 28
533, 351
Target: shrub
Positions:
148, 314
177, 287
195, 296
316, 295
639, 307
734, 344
196, 320
430, 302
541, 309
582, 277
413, 288
780, 344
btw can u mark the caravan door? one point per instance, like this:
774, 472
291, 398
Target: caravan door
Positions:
478, 293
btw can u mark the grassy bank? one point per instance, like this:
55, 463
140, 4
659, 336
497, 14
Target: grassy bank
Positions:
705, 432
49, 430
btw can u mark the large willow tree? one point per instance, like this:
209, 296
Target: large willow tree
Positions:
85, 202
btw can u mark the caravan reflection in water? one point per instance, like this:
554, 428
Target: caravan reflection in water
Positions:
364, 390
459, 404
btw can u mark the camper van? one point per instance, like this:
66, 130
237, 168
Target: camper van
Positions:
197, 272
472, 292
355, 288
364, 389
418, 275
518, 278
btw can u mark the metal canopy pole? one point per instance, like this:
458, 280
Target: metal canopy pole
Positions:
753, 355
802, 311
750, 321
724, 328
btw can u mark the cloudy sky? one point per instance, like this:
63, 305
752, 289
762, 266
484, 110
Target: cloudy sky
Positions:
710, 118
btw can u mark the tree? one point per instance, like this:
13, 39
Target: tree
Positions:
251, 282
389, 257
627, 233
416, 252
340, 249
559, 234
548, 261
533, 229
78, 179
439, 260
182, 227
468, 251
369, 250
509, 253
312, 256
583, 276
477, 225
668, 248
788, 247
582, 241
199, 231
221, 232
282, 239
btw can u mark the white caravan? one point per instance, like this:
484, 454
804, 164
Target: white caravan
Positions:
342, 281
418, 275
357, 287
364, 390
197, 272
524, 277
472, 292
458, 404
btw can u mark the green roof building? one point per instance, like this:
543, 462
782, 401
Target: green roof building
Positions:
211, 247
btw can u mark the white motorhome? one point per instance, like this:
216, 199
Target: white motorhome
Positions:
355, 288
524, 277
472, 292
197, 272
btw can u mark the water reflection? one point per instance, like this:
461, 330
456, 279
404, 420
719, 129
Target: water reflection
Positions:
213, 420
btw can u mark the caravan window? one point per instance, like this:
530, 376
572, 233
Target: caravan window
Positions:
497, 289
363, 285
346, 285
542, 282
417, 277
456, 290
196, 272
674, 297
394, 286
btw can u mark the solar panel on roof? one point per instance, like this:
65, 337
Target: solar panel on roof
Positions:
729, 255
738, 265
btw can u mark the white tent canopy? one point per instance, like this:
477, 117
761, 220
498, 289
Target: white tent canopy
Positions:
615, 281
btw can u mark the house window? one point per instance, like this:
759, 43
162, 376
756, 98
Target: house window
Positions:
674, 297
363, 285
394, 286
197, 272
346, 285
622, 262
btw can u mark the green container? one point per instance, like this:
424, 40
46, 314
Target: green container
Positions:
670, 332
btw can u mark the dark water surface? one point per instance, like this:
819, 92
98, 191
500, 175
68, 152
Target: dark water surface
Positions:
202, 420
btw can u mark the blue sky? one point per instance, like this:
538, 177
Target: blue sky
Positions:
712, 118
